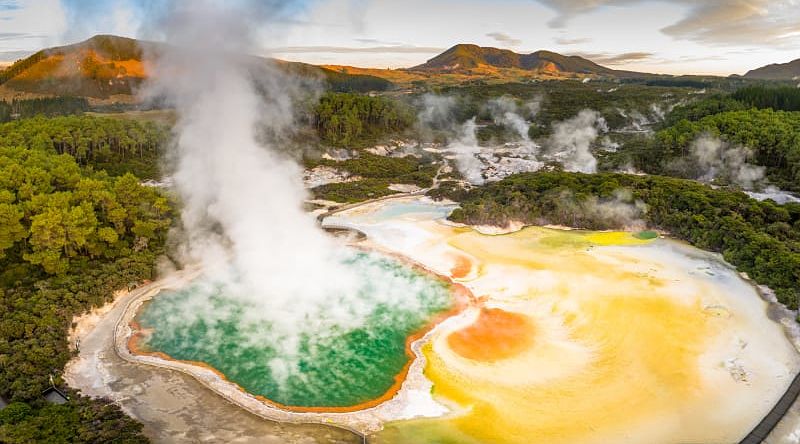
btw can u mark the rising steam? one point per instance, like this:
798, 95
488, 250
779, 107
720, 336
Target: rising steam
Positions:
465, 149
719, 160
242, 215
572, 139
570, 143
505, 111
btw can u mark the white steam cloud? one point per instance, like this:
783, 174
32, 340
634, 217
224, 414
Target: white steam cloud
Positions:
437, 112
619, 211
505, 111
718, 159
241, 196
465, 149
572, 139
570, 143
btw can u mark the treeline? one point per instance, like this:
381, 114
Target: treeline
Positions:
777, 98
353, 120
696, 110
773, 137
82, 420
759, 238
47, 106
343, 82
69, 237
785, 98
118, 146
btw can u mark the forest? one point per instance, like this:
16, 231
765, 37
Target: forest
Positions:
69, 237
783, 98
117, 146
354, 120
49, 106
771, 139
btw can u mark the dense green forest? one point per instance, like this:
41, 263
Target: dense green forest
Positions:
759, 238
49, 106
355, 120
69, 237
116, 145
82, 420
696, 110
784, 98
772, 136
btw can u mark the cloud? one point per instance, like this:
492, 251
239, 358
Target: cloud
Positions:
504, 38
400, 49
379, 42
11, 56
740, 22
726, 22
17, 36
605, 58
9, 5
568, 41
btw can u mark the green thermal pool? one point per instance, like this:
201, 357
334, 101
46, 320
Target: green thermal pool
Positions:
345, 368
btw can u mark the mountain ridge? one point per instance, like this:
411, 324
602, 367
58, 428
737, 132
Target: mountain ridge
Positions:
464, 57
776, 71
105, 66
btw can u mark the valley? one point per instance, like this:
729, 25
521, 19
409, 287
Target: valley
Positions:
491, 244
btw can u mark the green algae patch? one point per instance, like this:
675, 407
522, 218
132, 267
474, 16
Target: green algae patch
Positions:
338, 367
646, 235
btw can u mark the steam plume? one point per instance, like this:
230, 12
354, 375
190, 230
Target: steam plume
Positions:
465, 148
718, 159
242, 197
571, 141
505, 112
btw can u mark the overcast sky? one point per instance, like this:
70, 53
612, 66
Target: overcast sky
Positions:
668, 36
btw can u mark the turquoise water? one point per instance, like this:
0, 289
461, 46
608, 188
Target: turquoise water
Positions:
396, 210
336, 369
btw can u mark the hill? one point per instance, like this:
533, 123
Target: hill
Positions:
105, 66
465, 58
776, 71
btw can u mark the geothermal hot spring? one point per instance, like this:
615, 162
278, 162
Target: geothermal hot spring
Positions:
537, 336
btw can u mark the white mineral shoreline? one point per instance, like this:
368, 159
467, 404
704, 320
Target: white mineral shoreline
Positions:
413, 399
362, 421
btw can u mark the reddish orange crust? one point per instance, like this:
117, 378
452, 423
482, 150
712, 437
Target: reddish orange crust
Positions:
461, 268
495, 335
462, 297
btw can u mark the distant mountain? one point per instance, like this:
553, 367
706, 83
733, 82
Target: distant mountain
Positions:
776, 71
98, 67
106, 65
465, 58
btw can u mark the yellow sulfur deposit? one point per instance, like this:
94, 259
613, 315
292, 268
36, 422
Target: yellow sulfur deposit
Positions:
583, 337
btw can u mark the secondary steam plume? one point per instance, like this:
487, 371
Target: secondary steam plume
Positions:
717, 159
571, 141
466, 149
505, 112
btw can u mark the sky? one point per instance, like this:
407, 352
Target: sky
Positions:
664, 36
